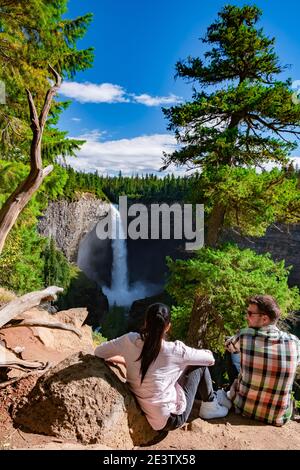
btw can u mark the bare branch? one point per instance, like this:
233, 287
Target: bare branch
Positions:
56, 75
49, 96
27, 374
34, 119
16, 202
27, 301
47, 170
272, 127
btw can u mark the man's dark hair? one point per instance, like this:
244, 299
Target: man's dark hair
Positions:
267, 305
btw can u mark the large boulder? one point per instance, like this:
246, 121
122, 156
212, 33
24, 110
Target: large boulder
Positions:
82, 399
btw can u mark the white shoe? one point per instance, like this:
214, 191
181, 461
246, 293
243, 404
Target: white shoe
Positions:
212, 409
223, 398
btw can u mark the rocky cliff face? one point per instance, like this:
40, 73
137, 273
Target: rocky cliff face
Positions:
72, 223
68, 222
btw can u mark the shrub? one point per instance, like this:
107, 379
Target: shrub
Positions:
227, 277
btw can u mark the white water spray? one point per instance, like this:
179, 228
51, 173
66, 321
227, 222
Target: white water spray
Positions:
120, 293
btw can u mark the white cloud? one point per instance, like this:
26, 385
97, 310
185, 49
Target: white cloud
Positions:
92, 136
156, 100
93, 93
76, 119
270, 165
109, 93
131, 156
139, 155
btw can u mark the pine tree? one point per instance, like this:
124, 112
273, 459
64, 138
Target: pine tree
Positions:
247, 120
241, 117
56, 267
33, 34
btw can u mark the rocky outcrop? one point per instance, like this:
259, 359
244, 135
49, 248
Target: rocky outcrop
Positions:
67, 222
47, 344
73, 223
83, 399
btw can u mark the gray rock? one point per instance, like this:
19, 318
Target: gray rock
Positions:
67, 222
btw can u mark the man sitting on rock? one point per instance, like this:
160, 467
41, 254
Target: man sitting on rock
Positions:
268, 363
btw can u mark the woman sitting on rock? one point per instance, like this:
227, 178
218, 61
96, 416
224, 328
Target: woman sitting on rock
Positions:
165, 376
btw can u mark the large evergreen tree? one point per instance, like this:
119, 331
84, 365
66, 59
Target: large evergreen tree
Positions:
33, 35
33, 39
241, 116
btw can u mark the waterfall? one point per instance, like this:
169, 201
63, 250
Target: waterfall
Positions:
120, 293
119, 273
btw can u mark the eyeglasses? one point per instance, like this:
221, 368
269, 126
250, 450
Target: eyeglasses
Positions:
250, 314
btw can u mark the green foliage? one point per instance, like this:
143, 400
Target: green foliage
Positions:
28, 261
53, 186
227, 277
11, 174
34, 34
148, 188
21, 263
252, 201
245, 119
57, 269
98, 338
114, 323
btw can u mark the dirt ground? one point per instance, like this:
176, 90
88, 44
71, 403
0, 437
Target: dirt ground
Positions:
230, 433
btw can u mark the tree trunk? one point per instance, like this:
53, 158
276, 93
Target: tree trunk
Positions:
215, 224
20, 197
216, 219
198, 322
27, 301
18, 200
206, 325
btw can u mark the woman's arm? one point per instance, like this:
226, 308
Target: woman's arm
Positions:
116, 360
115, 347
193, 356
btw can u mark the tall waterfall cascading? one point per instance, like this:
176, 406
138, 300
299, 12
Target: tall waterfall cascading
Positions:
120, 293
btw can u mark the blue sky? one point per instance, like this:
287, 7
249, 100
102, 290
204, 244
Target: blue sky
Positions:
117, 104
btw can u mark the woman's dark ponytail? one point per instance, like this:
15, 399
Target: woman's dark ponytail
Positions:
156, 321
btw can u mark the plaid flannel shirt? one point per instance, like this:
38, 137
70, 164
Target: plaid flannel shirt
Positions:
269, 359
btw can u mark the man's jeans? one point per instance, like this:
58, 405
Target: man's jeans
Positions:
233, 365
196, 383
